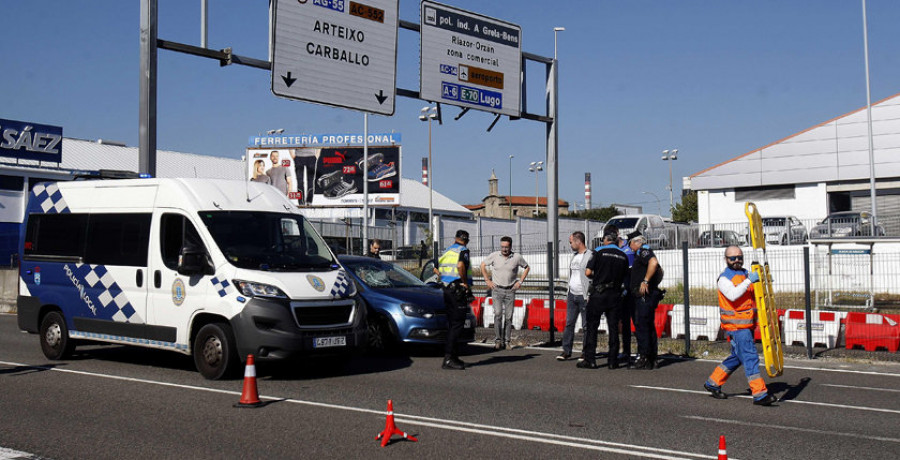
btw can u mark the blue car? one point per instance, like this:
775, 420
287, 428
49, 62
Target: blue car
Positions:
401, 308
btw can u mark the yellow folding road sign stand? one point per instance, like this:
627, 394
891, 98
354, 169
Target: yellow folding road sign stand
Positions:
765, 300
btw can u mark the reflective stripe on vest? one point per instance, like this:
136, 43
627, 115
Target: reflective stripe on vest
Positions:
739, 313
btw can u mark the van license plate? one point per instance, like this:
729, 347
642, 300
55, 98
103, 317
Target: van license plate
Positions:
323, 342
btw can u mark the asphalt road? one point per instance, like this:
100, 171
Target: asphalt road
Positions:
113, 401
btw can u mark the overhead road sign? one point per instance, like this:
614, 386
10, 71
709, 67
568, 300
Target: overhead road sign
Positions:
337, 52
470, 60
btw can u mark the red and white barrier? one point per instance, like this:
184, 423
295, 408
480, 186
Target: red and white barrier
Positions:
825, 327
704, 322
872, 331
519, 310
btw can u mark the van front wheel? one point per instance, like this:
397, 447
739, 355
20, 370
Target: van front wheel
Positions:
214, 351
55, 341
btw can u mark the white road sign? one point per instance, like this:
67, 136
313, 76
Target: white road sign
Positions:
337, 52
470, 60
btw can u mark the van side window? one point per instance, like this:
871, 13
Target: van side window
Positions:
175, 232
56, 235
118, 239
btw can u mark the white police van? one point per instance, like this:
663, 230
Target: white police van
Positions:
216, 269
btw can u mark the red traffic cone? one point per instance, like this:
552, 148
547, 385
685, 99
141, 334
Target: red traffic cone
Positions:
249, 396
390, 429
723, 455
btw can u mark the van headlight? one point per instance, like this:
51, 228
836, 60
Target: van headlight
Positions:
251, 289
417, 311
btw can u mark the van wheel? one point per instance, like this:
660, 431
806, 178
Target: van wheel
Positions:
214, 351
55, 341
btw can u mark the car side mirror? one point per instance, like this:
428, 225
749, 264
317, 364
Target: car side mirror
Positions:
194, 263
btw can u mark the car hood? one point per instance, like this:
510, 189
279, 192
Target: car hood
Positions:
425, 297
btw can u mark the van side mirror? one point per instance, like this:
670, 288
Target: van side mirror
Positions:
194, 263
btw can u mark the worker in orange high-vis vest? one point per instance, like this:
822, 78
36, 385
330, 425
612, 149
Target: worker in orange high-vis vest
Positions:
738, 313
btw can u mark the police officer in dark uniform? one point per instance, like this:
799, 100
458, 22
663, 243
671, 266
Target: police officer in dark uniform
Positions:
646, 274
455, 270
607, 271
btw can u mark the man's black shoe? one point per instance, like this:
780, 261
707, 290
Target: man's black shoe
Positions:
613, 364
715, 392
563, 356
586, 365
452, 363
767, 401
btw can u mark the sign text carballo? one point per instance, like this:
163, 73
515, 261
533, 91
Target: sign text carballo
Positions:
337, 52
470, 60
30, 141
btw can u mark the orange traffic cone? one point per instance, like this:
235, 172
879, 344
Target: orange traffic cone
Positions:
249, 396
390, 429
723, 455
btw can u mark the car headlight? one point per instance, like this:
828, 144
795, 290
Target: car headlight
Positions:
251, 289
417, 311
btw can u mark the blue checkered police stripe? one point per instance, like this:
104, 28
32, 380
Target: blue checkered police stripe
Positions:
111, 294
223, 287
50, 200
341, 286
129, 340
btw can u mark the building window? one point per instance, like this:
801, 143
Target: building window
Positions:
14, 183
775, 192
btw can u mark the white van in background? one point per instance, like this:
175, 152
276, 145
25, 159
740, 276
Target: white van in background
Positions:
215, 269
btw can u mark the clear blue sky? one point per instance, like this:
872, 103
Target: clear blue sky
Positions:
714, 78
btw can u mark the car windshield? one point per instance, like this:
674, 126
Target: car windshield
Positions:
773, 221
378, 274
268, 241
841, 218
623, 222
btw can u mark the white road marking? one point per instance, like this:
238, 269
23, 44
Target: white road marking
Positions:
792, 401
859, 388
10, 454
630, 450
794, 428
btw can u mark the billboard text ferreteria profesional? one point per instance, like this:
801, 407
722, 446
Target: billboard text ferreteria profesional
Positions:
328, 169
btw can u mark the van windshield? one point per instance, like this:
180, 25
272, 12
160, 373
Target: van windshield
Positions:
268, 241
623, 222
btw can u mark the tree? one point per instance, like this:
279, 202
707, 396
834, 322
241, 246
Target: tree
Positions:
598, 214
686, 210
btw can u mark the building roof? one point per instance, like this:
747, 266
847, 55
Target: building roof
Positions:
529, 201
415, 197
835, 150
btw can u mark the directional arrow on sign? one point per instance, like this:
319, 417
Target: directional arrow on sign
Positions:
380, 96
288, 80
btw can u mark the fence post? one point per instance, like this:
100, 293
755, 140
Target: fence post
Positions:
807, 298
687, 298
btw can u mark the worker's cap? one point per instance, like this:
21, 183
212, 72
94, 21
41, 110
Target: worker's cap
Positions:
635, 234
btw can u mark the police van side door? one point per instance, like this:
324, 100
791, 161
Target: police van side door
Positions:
173, 297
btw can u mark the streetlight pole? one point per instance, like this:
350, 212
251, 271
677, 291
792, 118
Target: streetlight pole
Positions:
670, 156
534, 167
658, 205
429, 113
509, 200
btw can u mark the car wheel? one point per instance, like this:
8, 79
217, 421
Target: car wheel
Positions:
214, 351
55, 340
378, 334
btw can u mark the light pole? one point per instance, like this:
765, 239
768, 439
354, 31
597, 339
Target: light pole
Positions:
509, 200
556, 30
658, 205
429, 113
534, 167
670, 156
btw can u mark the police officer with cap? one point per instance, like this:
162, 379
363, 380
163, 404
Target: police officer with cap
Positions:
646, 274
607, 271
455, 270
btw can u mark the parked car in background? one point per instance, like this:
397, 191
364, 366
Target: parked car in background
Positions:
657, 232
401, 308
401, 253
720, 238
784, 230
845, 224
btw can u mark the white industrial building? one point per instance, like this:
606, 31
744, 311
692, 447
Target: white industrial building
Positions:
809, 174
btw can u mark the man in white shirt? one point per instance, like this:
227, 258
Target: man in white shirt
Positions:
577, 295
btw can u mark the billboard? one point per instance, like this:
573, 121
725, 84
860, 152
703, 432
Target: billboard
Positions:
30, 141
328, 170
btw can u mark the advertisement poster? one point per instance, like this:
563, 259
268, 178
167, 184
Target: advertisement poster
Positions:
320, 173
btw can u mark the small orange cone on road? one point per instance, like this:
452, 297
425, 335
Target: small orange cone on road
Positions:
249, 395
390, 429
723, 455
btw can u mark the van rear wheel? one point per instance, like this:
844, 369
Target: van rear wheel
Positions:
214, 351
55, 340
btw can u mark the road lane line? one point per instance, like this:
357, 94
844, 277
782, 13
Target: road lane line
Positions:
794, 428
454, 425
792, 401
11, 454
859, 388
